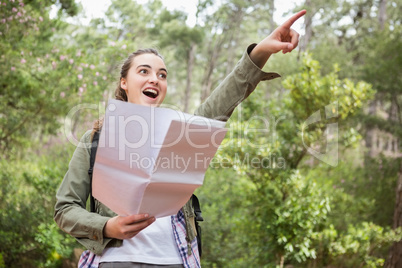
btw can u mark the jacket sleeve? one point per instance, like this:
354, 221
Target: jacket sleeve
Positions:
235, 88
70, 209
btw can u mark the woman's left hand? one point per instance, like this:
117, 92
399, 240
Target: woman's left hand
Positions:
283, 38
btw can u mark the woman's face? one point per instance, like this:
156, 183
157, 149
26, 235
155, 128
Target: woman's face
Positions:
146, 82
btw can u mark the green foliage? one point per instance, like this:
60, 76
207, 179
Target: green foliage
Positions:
387, 46
53, 244
287, 215
360, 205
29, 236
365, 244
2, 265
289, 211
38, 76
309, 93
225, 207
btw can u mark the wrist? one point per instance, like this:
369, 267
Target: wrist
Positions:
258, 56
107, 229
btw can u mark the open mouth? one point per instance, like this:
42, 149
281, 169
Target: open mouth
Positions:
151, 93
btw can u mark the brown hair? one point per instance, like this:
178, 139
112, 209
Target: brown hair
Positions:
120, 93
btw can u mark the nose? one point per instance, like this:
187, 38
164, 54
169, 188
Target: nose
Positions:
153, 79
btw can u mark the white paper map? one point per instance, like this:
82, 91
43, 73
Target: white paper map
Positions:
150, 160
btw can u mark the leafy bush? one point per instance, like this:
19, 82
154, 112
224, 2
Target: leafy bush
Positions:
28, 235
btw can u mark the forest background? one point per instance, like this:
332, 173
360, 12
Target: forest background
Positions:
310, 174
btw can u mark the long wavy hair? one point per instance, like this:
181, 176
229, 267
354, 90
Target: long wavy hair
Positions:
120, 93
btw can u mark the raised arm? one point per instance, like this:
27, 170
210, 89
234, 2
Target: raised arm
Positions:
246, 75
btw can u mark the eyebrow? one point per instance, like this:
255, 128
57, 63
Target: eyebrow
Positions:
148, 66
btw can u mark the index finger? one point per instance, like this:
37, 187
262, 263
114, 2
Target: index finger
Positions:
294, 18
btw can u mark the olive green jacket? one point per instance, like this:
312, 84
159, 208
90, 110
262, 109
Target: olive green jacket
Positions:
70, 209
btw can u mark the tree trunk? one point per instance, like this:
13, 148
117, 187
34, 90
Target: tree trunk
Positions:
308, 24
282, 261
272, 23
395, 254
382, 13
207, 81
231, 30
231, 54
190, 65
371, 134
234, 38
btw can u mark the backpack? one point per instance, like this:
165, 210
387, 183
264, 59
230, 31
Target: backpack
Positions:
194, 198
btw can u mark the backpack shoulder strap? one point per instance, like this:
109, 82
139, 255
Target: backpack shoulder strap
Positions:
198, 217
197, 208
94, 147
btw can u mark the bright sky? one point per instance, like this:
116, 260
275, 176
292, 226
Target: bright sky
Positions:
96, 8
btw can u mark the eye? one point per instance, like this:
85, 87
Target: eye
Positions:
163, 75
143, 71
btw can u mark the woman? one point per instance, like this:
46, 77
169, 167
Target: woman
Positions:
141, 240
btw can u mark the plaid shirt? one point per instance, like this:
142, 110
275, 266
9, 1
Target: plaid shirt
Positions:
188, 252
88, 260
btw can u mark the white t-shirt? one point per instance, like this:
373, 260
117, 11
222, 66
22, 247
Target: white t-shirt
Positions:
154, 245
